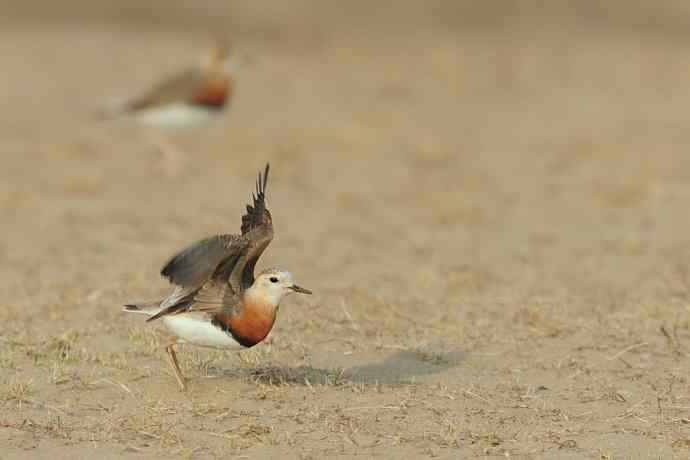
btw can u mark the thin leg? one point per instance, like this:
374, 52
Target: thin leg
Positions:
172, 158
172, 358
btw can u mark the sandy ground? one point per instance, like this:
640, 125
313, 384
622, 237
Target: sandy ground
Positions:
492, 211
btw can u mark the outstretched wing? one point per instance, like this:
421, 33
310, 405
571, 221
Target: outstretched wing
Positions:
175, 88
230, 258
215, 296
257, 215
257, 231
191, 85
197, 263
211, 274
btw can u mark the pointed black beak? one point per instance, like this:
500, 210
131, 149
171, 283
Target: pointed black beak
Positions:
301, 290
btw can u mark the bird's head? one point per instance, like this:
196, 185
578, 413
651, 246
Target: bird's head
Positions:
223, 59
272, 285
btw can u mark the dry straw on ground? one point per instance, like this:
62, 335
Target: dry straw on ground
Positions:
492, 215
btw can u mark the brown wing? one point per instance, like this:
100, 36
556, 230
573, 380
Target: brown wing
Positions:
215, 296
226, 256
197, 263
212, 295
192, 85
257, 231
176, 88
257, 215
201, 273
179, 300
220, 289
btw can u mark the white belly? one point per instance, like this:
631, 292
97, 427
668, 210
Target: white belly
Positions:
199, 331
175, 116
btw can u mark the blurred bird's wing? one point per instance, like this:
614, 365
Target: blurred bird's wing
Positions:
191, 86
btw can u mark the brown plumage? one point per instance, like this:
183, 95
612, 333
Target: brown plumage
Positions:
227, 258
211, 89
206, 86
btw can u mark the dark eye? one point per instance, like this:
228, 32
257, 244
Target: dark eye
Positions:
274, 279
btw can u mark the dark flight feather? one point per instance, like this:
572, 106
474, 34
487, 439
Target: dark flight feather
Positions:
257, 214
213, 272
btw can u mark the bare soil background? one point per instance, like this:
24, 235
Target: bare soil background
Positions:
489, 201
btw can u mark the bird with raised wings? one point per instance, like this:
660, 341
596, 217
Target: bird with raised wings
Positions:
217, 301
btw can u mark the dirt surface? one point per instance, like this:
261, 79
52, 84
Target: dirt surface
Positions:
491, 206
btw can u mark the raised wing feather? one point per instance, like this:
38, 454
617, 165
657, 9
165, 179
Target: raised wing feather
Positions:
257, 230
211, 274
214, 297
257, 215
198, 262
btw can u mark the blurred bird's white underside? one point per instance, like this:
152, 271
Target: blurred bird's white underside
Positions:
175, 116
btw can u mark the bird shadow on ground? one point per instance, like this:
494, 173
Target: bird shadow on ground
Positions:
400, 367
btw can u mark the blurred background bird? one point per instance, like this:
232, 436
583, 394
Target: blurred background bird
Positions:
190, 98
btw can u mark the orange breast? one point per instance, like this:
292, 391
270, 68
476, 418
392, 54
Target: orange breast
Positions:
213, 94
250, 326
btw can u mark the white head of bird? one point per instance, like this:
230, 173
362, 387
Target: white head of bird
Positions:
222, 58
271, 285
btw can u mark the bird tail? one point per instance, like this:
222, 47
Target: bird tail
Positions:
112, 109
144, 308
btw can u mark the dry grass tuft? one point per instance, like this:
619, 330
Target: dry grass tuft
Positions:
303, 375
